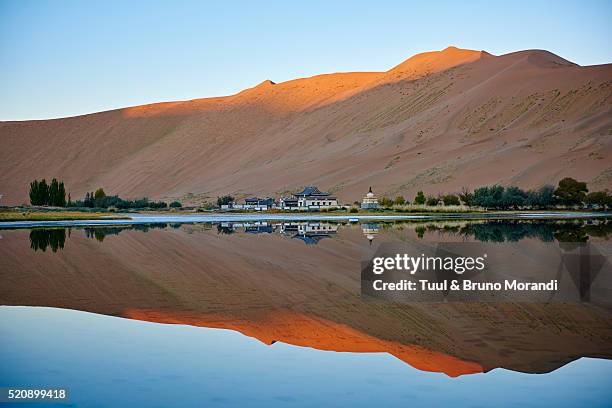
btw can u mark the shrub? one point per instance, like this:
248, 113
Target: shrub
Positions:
466, 196
599, 198
225, 200
541, 198
432, 201
385, 202
175, 204
451, 199
354, 209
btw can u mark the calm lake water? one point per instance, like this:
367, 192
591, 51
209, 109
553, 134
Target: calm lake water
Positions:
271, 314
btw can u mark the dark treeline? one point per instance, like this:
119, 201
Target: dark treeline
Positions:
570, 193
99, 199
53, 194
99, 233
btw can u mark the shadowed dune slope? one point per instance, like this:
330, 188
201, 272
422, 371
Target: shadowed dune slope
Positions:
438, 121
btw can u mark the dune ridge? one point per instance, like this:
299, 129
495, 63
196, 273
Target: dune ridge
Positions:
437, 122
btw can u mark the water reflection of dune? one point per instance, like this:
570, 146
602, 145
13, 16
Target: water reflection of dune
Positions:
275, 288
306, 331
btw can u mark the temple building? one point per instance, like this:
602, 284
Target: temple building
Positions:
370, 200
310, 198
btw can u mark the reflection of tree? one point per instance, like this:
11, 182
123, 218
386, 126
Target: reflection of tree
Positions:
40, 239
99, 233
512, 231
55, 238
222, 229
420, 231
516, 230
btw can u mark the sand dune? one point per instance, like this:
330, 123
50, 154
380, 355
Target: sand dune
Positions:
437, 122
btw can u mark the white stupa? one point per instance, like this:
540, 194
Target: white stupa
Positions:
370, 200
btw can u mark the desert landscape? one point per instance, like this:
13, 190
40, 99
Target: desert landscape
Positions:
437, 122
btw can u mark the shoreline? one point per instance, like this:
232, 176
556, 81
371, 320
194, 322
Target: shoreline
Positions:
140, 218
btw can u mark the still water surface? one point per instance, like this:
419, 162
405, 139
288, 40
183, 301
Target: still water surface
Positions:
270, 313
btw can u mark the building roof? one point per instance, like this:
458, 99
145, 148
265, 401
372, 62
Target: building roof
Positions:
310, 191
260, 201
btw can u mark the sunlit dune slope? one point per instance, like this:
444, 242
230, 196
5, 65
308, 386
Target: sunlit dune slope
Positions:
439, 121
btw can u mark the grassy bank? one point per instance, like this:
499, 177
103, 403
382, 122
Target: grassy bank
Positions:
13, 214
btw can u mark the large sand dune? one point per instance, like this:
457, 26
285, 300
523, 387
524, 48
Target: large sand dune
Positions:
438, 122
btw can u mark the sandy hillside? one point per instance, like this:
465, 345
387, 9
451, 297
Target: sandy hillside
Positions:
438, 121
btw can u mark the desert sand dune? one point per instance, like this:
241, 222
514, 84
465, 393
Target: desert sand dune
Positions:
438, 122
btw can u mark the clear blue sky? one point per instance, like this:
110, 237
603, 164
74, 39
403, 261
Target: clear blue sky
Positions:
64, 58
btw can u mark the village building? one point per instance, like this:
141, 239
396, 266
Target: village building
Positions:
258, 204
311, 198
289, 203
370, 200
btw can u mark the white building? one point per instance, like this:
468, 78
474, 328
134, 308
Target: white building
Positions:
310, 198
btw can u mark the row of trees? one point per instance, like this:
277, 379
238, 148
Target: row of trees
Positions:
569, 193
53, 194
99, 199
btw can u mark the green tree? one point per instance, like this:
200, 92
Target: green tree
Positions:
53, 192
489, 197
34, 186
175, 204
431, 200
39, 192
61, 195
571, 191
88, 201
420, 198
599, 198
466, 196
451, 199
99, 194
513, 197
385, 202
225, 200
399, 200
541, 198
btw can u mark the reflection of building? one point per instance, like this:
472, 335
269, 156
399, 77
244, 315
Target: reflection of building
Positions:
258, 228
370, 200
309, 232
317, 228
310, 198
369, 230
